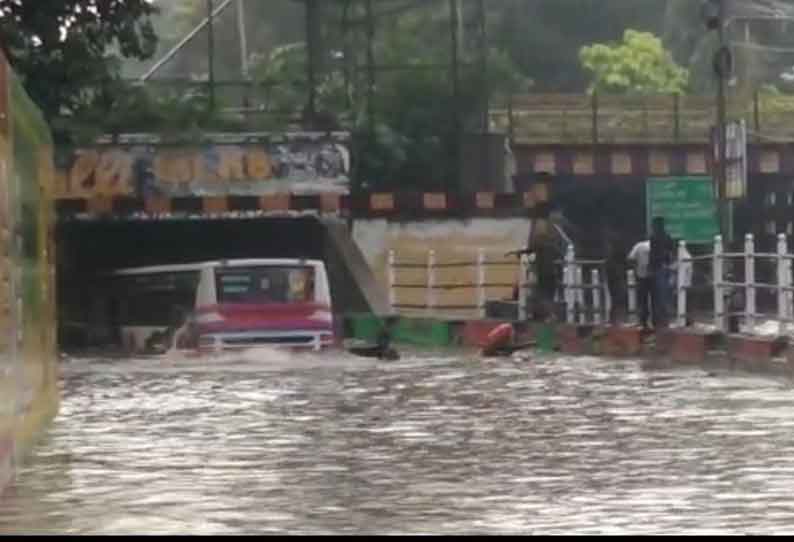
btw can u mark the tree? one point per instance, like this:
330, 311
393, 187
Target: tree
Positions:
416, 132
269, 24
638, 65
67, 51
543, 37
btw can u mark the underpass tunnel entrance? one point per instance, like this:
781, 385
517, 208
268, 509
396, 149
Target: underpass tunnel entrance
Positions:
89, 249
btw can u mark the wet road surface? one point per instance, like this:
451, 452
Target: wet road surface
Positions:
440, 443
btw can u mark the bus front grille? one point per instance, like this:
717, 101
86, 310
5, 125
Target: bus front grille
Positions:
247, 341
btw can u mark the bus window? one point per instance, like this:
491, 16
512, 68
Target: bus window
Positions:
153, 300
265, 284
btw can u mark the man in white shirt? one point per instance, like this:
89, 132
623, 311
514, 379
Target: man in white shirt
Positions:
640, 256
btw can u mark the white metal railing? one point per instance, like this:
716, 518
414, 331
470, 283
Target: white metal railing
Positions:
587, 298
724, 289
431, 285
586, 301
580, 307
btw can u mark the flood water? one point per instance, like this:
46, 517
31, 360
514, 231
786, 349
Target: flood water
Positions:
432, 444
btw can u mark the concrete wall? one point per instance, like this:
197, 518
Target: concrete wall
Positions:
28, 371
453, 241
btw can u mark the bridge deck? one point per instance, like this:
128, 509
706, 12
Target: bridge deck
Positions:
561, 118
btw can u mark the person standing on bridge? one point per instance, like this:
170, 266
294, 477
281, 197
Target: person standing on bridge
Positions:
662, 255
639, 258
652, 259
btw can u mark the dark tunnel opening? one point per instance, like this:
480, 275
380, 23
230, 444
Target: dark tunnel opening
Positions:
87, 250
88, 247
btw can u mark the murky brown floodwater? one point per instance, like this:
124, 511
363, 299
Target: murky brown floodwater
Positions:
427, 445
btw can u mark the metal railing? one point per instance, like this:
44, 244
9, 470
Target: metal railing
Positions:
601, 118
586, 296
726, 289
431, 285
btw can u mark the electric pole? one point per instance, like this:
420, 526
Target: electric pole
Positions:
456, 121
714, 14
211, 53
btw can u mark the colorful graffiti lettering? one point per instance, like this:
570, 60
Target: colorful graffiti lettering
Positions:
246, 169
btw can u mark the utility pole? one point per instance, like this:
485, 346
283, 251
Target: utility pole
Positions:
243, 50
714, 15
485, 143
243, 39
311, 64
183, 42
461, 27
454, 39
723, 69
370, 15
211, 53
347, 52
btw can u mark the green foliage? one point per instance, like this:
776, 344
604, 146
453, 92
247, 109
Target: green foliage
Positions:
638, 65
283, 73
61, 48
543, 37
180, 114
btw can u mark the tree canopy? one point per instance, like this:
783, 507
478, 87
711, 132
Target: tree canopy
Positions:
67, 52
638, 65
74, 56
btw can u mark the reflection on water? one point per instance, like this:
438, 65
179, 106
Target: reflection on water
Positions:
436, 444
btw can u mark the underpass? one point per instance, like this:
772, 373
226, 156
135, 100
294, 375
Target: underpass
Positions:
88, 249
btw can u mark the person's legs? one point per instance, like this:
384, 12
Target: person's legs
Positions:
643, 292
659, 299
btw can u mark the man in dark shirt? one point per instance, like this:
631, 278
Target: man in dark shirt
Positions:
546, 242
661, 256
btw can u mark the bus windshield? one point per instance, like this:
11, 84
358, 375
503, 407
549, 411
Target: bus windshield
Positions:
265, 284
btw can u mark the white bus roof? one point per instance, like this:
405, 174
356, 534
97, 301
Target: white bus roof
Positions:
180, 268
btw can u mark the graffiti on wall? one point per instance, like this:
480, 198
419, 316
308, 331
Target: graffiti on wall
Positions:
299, 166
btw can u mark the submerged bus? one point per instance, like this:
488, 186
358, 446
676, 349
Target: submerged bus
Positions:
222, 305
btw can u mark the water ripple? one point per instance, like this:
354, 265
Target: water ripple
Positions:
433, 444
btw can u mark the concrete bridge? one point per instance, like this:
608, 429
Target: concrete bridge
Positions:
157, 195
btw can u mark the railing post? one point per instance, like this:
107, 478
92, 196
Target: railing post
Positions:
789, 282
631, 283
607, 298
719, 301
749, 281
481, 282
580, 294
570, 284
522, 288
681, 290
783, 279
431, 280
596, 284
392, 277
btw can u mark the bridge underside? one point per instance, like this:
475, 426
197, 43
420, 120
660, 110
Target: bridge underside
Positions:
95, 246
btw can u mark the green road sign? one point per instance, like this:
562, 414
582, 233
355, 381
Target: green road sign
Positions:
687, 204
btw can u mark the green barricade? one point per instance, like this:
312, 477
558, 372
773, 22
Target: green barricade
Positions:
413, 331
364, 327
546, 337
421, 332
